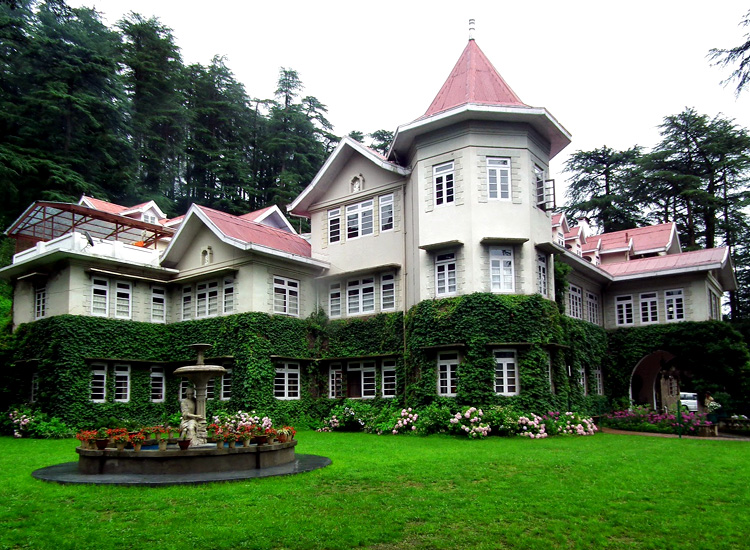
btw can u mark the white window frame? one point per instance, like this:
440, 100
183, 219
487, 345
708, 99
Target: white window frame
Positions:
286, 383
387, 219
206, 299
649, 307
575, 302
367, 379
598, 380
336, 382
286, 296
624, 314
123, 300
444, 184
506, 372
334, 300
359, 220
158, 384
592, 308
542, 281
187, 303
334, 225
98, 386
100, 287
388, 378
360, 296
540, 196
502, 270
226, 384
184, 385
550, 375
40, 302
387, 292
582, 380
228, 296
447, 373
714, 305
498, 178
158, 304
674, 305
122, 383
446, 282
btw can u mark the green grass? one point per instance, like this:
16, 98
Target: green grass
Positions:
402, 492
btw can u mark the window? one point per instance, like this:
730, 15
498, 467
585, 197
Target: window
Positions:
541, 199
187, 303
359, 219
360, 296
501, 269
184, 385
649, 312
123, 294
447, 378
582, 379
100, 297
149, 218
286, 383
98, 383
206, 299
158, 384
598, 381
386, 212
575, 302
286, 296
714, 305
226, 385
360, 379
443, 178
674, 305
592, 308
158, 304
561, 239
498, 178
334, 300
445, 274
506, 373
228, 296
40, 302
541, 274
122, 383
34, 388
335, 382
624, 310
211, 387
334, 225
387, 292
550, 375
388, 387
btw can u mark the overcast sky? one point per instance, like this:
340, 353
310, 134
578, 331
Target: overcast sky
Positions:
608, 71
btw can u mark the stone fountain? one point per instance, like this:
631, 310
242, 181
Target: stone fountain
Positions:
193, 424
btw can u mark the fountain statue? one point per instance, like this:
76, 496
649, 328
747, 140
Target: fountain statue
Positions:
193, 407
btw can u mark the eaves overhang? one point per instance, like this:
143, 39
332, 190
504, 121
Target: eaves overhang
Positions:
537, 117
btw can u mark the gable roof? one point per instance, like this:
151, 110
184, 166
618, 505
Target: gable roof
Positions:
344, 151
473, 80
640, 240
101, 205
271, 216
247, 235
475, 90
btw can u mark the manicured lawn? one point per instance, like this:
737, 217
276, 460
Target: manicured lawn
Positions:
401, 492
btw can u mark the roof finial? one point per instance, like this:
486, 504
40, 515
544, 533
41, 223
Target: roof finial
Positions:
472, 25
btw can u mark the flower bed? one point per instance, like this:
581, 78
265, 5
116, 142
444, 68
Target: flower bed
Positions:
642, 419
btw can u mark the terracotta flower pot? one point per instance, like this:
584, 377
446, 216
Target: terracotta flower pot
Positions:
101, 444
184, 444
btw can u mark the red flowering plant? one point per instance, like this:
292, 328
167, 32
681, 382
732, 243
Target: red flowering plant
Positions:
138, 437
245, 432
118, 435
287, 430
271, 433
230, 435
86, 435
217, 430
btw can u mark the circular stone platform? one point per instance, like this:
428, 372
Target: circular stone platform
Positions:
68, 473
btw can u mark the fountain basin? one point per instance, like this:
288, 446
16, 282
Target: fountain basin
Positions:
200, 459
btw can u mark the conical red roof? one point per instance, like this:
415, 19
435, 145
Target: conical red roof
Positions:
473, 80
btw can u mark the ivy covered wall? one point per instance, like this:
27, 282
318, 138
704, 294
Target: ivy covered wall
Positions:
61, 350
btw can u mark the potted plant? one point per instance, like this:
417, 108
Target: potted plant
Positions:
87, 438
137, 440
286, 434
102, 438
120, 437
231, 437
245, 434
183, 443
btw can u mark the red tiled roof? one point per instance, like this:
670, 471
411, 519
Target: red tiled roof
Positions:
255, 214
105, 206
473, 80
556, 219
249, 231
696, 258
652, 237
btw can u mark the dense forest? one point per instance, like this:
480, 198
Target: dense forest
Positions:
114, 113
